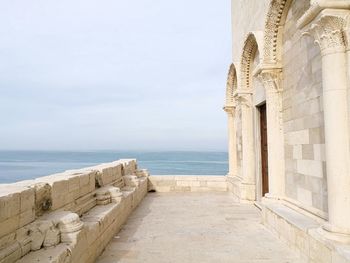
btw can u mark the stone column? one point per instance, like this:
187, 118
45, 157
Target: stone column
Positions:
232, 150
327, 29
275, 136
248, 153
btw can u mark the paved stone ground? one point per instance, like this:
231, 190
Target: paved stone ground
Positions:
187, 227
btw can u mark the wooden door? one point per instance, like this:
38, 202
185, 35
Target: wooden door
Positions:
264, 151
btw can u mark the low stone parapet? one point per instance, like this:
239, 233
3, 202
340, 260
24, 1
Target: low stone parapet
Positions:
70, 216
181, 183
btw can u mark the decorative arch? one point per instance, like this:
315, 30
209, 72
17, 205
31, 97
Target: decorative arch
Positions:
275, 20
231, 85
252, 44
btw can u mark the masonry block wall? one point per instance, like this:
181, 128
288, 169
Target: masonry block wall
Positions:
303, 115
68, 217
257, 10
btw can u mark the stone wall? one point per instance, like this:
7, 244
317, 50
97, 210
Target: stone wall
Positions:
180, 183
68, 217
255, 13
303, 115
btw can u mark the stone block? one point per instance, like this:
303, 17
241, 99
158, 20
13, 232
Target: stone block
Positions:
11, 253
297, 152
308, 151
319, 252
9, 225
222, 185
337, 258
60, 186
319, 152
74, 184
10, 202
165, 182
108, 173
43, 199
310, 167
26, 217
163, 189
317, 135
304, 196
302, 241
129, 166
84, 179
7, 240
58, 254
27, 200
188, 183
298, 137
131, 180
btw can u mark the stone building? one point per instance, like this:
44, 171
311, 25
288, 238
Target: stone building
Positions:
288, 102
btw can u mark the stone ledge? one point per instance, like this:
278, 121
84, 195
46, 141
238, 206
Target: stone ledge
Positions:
183, 183
302, 233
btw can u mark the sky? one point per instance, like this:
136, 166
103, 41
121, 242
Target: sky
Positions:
113, 74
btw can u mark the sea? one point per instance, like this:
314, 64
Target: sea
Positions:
23, 165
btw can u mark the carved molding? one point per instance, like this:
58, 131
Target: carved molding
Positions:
244, 98
230, 109
231, 85
272, 36
317, 6
328, 32
251, 45
271, 79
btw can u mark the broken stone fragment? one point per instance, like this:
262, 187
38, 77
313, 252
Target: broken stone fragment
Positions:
43, 199
103, 196
67, 223
131, 180
38, 231
52, 238
116, 194
142, 173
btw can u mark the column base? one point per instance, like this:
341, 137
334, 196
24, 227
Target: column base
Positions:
335, 234
242, 191
270, 196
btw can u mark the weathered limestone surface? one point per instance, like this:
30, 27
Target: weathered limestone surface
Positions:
303, 232
303, 118
257, 10
196, 227
163, 184
68, 217
302, 60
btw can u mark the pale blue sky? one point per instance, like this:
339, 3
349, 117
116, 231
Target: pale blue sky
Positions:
113, 74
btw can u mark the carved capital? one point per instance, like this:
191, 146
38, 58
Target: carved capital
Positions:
271, 79
244, 98
230, 109
328, 32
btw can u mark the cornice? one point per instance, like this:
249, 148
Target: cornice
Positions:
317, 7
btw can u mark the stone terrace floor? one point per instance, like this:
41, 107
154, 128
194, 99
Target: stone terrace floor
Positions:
190, 227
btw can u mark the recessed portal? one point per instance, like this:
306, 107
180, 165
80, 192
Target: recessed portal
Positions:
264, 150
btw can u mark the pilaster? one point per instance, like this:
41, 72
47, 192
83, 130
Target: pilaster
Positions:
244, 99
232, 148
271, 79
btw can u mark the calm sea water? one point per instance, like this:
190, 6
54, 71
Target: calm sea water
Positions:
22, 165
